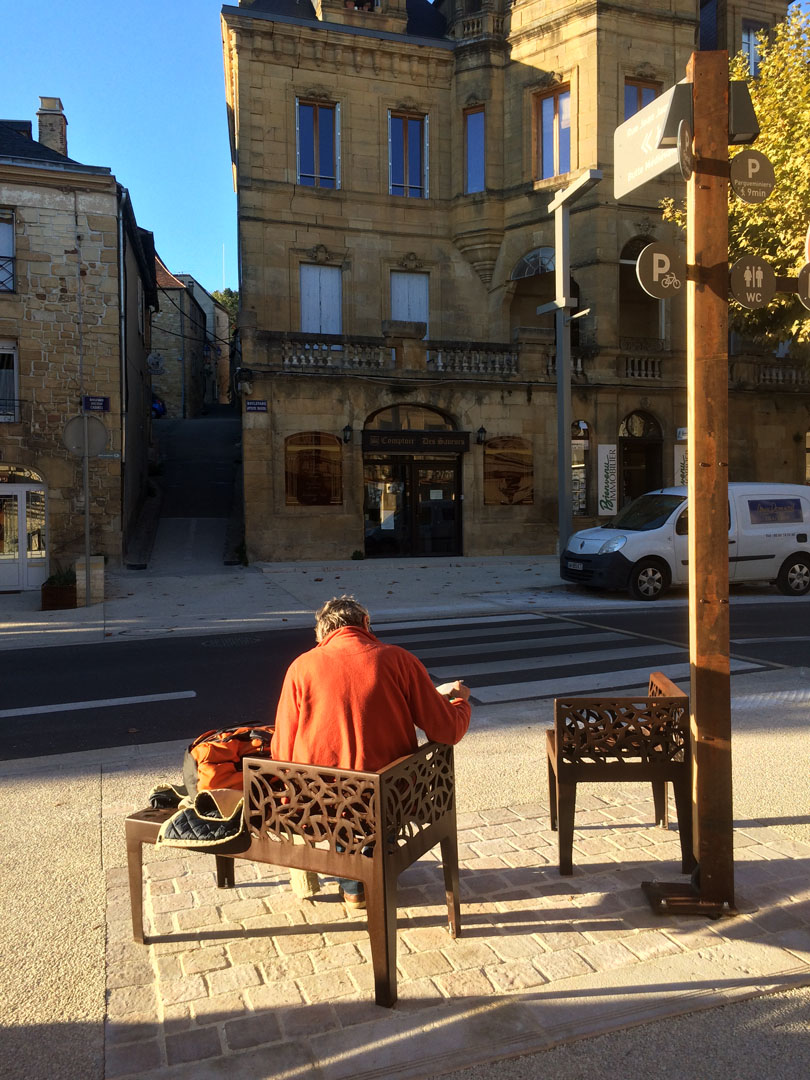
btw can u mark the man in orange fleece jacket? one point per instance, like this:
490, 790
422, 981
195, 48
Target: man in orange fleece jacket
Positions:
355, 703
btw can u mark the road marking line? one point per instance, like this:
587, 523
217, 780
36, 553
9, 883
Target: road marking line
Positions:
103, 703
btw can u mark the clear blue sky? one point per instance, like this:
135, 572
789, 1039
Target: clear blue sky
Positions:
143, 89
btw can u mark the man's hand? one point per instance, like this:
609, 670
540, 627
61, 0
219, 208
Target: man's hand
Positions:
455, 689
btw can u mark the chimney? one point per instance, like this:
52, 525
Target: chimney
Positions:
52, 124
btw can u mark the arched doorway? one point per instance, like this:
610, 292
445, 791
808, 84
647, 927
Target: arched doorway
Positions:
640, 455
23, 516
412, 488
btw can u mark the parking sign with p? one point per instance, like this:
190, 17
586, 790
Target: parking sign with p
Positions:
661, 270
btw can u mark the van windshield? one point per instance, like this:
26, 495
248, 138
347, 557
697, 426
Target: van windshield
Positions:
646, 512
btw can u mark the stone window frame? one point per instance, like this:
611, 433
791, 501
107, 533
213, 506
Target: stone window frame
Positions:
10, 361
332, 459
494, 450
749, 28
423, 117
318, 176
639, 85
8, 276
555, 93
475, 110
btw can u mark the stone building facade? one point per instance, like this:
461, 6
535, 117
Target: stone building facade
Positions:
76, 288
394, 164
217, 343
180, 352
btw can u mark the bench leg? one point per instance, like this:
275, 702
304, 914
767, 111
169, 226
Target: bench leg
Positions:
566, 805
226, 877
450, 865
683, 806
135, 868
660, 803
552, 794
381, 903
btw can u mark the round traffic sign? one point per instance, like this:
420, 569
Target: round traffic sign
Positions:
752, 176
73, 436
803, 285
661, 270
752, 282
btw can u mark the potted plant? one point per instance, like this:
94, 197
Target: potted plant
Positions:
59, 590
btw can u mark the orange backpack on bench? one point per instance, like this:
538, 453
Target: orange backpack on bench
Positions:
214, 759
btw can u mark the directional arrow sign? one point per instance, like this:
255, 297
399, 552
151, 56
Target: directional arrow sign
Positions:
636, 157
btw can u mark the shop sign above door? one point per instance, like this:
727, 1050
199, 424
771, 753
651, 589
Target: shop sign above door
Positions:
416, 442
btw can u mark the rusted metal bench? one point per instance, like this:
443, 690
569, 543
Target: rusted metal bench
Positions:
615, 739
365, 826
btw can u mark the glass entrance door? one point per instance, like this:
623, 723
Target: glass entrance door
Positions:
9, 541
23, 551
437, 510
411, 507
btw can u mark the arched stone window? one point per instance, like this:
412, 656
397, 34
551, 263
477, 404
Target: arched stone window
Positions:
313, 469
508, 471
640, 315
536, 285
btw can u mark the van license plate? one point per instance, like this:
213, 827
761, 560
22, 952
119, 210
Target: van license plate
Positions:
574, 565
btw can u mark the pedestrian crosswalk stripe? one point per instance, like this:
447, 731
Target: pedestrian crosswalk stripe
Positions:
585, 684
595, 657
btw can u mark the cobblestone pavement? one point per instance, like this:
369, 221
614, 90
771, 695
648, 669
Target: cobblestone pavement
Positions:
253, 982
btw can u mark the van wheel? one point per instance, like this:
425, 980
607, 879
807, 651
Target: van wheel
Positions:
794, 577
649, 579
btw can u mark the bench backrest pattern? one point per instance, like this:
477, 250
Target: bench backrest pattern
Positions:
304, 804
592, 729
417, 792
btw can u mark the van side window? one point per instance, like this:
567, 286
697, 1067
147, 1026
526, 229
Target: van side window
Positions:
775, 511
682, 524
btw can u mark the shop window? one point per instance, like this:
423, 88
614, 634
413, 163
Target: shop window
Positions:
580, 444
638, 94
317, 133
474, 151
508, 471
552, 133
641, 316
751, 32
313, 469
408, 155
9, 383
6, 251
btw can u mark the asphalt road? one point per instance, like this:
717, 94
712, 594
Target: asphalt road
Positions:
179, 688
775, 633
138, 692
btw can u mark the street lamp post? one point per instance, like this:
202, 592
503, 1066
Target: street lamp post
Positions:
561, 304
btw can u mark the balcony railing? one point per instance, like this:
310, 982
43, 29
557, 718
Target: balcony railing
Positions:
472, 358
334, 351
6, 273
779, 375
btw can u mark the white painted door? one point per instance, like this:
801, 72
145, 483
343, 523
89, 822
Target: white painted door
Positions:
23, 550
321, 300
409, 297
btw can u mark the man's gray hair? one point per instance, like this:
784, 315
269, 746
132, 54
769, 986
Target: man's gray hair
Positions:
337, 612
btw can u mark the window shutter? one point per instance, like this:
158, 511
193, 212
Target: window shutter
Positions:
427, 159
297, 146
390, 174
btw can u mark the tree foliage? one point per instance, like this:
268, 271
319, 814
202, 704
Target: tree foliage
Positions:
230, 301
775, 229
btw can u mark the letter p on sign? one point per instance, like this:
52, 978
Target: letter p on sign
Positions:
661, 265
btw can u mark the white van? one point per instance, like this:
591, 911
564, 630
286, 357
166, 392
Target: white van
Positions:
645, 547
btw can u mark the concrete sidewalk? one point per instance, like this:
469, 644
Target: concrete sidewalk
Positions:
254, 983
